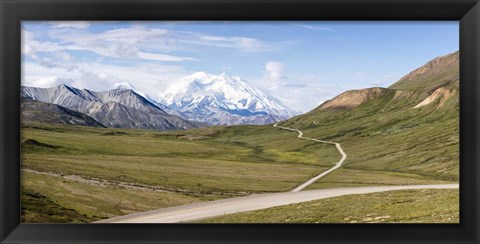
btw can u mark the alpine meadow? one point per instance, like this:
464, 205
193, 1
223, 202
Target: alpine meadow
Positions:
183, 145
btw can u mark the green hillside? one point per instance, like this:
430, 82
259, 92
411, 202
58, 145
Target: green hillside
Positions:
441, 71
398, 130
405, 134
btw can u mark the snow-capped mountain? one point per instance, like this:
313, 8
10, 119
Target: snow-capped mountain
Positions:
118, 108
200, 97
128, 86
222, 100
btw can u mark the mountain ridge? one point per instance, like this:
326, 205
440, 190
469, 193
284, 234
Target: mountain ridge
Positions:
119, 108
34, 111
440, 71
354, 98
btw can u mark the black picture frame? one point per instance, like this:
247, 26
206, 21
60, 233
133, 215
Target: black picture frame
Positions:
12, 12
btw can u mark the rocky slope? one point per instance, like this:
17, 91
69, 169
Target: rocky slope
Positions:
118, 108
439, 95
35, 111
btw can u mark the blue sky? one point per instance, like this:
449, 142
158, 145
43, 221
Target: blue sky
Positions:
300, 63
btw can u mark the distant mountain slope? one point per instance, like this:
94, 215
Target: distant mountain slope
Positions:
116, 115
122, 108
222, 100
412, 126
354, 98
439, 72
39, 112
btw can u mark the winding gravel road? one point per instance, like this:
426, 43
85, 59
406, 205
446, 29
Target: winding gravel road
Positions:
202, 210
338, 165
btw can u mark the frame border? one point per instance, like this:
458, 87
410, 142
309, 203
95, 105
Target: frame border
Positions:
12, 12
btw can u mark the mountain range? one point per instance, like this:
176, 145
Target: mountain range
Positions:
202, 99
117, 108
222, 100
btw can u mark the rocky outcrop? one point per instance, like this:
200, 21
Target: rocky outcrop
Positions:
441, 95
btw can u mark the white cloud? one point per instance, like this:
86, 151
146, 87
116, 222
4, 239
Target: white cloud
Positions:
292, 93
133, 41
303, 94
118, 43
244, 44
63, 56
251, 45
163, 57
37, 75
30, 46
273, 77
316, 27
47, 81
70, 24
151, 78
136, 42
275, 69
139, 55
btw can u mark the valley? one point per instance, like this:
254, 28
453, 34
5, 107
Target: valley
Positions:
406, 134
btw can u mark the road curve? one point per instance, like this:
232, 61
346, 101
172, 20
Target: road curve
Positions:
337, 165
216, 208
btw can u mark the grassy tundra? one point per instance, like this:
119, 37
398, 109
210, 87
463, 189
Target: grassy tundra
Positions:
102, 172
435, 206
405, 134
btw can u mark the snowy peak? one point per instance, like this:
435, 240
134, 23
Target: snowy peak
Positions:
124, 86
128, 87
200, 76
202, 94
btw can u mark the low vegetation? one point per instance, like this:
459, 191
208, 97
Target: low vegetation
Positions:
198, 165
389, 140
434, 206
389, 136
39, 208
72, 201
